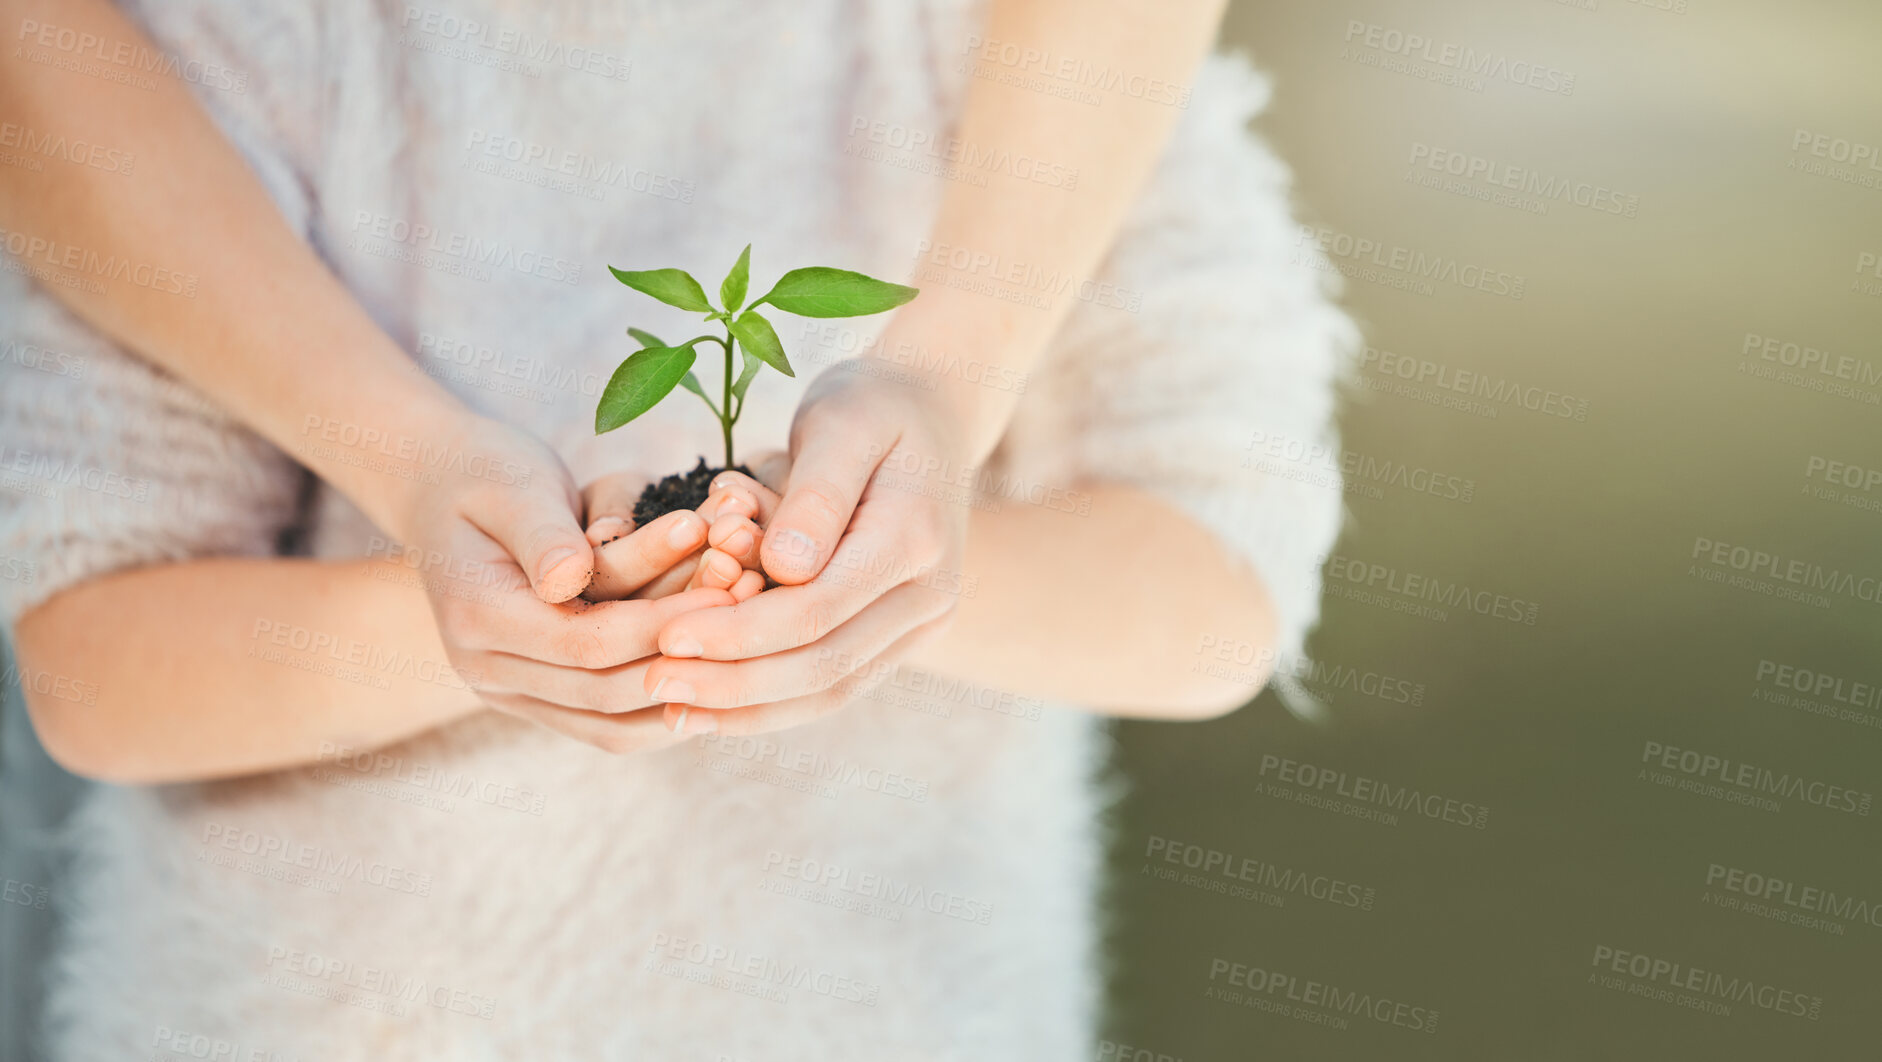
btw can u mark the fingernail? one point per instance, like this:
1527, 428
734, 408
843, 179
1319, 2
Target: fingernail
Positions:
679, 721
553, 558
683, 534
675, 692
739, 541
607, 529
682, 647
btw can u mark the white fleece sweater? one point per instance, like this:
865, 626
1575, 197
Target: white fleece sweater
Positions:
910, 878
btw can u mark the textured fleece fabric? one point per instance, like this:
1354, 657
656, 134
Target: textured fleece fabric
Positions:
493, 891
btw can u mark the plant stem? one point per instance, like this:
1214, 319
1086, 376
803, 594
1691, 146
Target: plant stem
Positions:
725, 414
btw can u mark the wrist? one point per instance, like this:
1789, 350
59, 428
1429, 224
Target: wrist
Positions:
387, 448
969, 367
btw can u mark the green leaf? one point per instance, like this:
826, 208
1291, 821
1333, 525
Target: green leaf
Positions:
691, 383
640, 383
646, 339
732, 291
823, 292
757, 336
745, 377
675, 287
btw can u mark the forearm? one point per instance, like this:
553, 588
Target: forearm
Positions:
1061, 229
1108, 610
269, 333
214, 668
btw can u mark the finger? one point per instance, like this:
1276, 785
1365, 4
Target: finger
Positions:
828, 474
773, 468
742, 493
613, 496
781, 715
789, 616
737, 537
748, 585
607, 690
541, 532
717, 570
795, 672
642, 731
575, 635
625, 566
672, 581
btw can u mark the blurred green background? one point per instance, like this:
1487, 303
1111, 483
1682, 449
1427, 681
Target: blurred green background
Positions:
1695, 107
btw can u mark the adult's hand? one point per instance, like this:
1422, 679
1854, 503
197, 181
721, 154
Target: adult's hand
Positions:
503, 556
866, 545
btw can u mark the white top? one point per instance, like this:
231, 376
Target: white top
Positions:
494, 891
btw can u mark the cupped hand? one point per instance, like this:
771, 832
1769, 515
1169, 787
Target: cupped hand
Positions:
502, 556
866, 542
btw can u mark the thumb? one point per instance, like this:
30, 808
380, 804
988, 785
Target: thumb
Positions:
540, 530
826, 480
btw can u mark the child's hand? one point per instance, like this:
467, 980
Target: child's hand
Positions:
633, 562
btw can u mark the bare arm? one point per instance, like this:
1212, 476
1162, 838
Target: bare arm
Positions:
1105, 610
1109, 611
270, 334
213, 668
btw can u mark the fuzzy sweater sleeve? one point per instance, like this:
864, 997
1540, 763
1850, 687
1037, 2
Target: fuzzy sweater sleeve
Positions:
1209, 335
107, 462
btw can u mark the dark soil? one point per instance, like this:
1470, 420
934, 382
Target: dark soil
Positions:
678, 491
